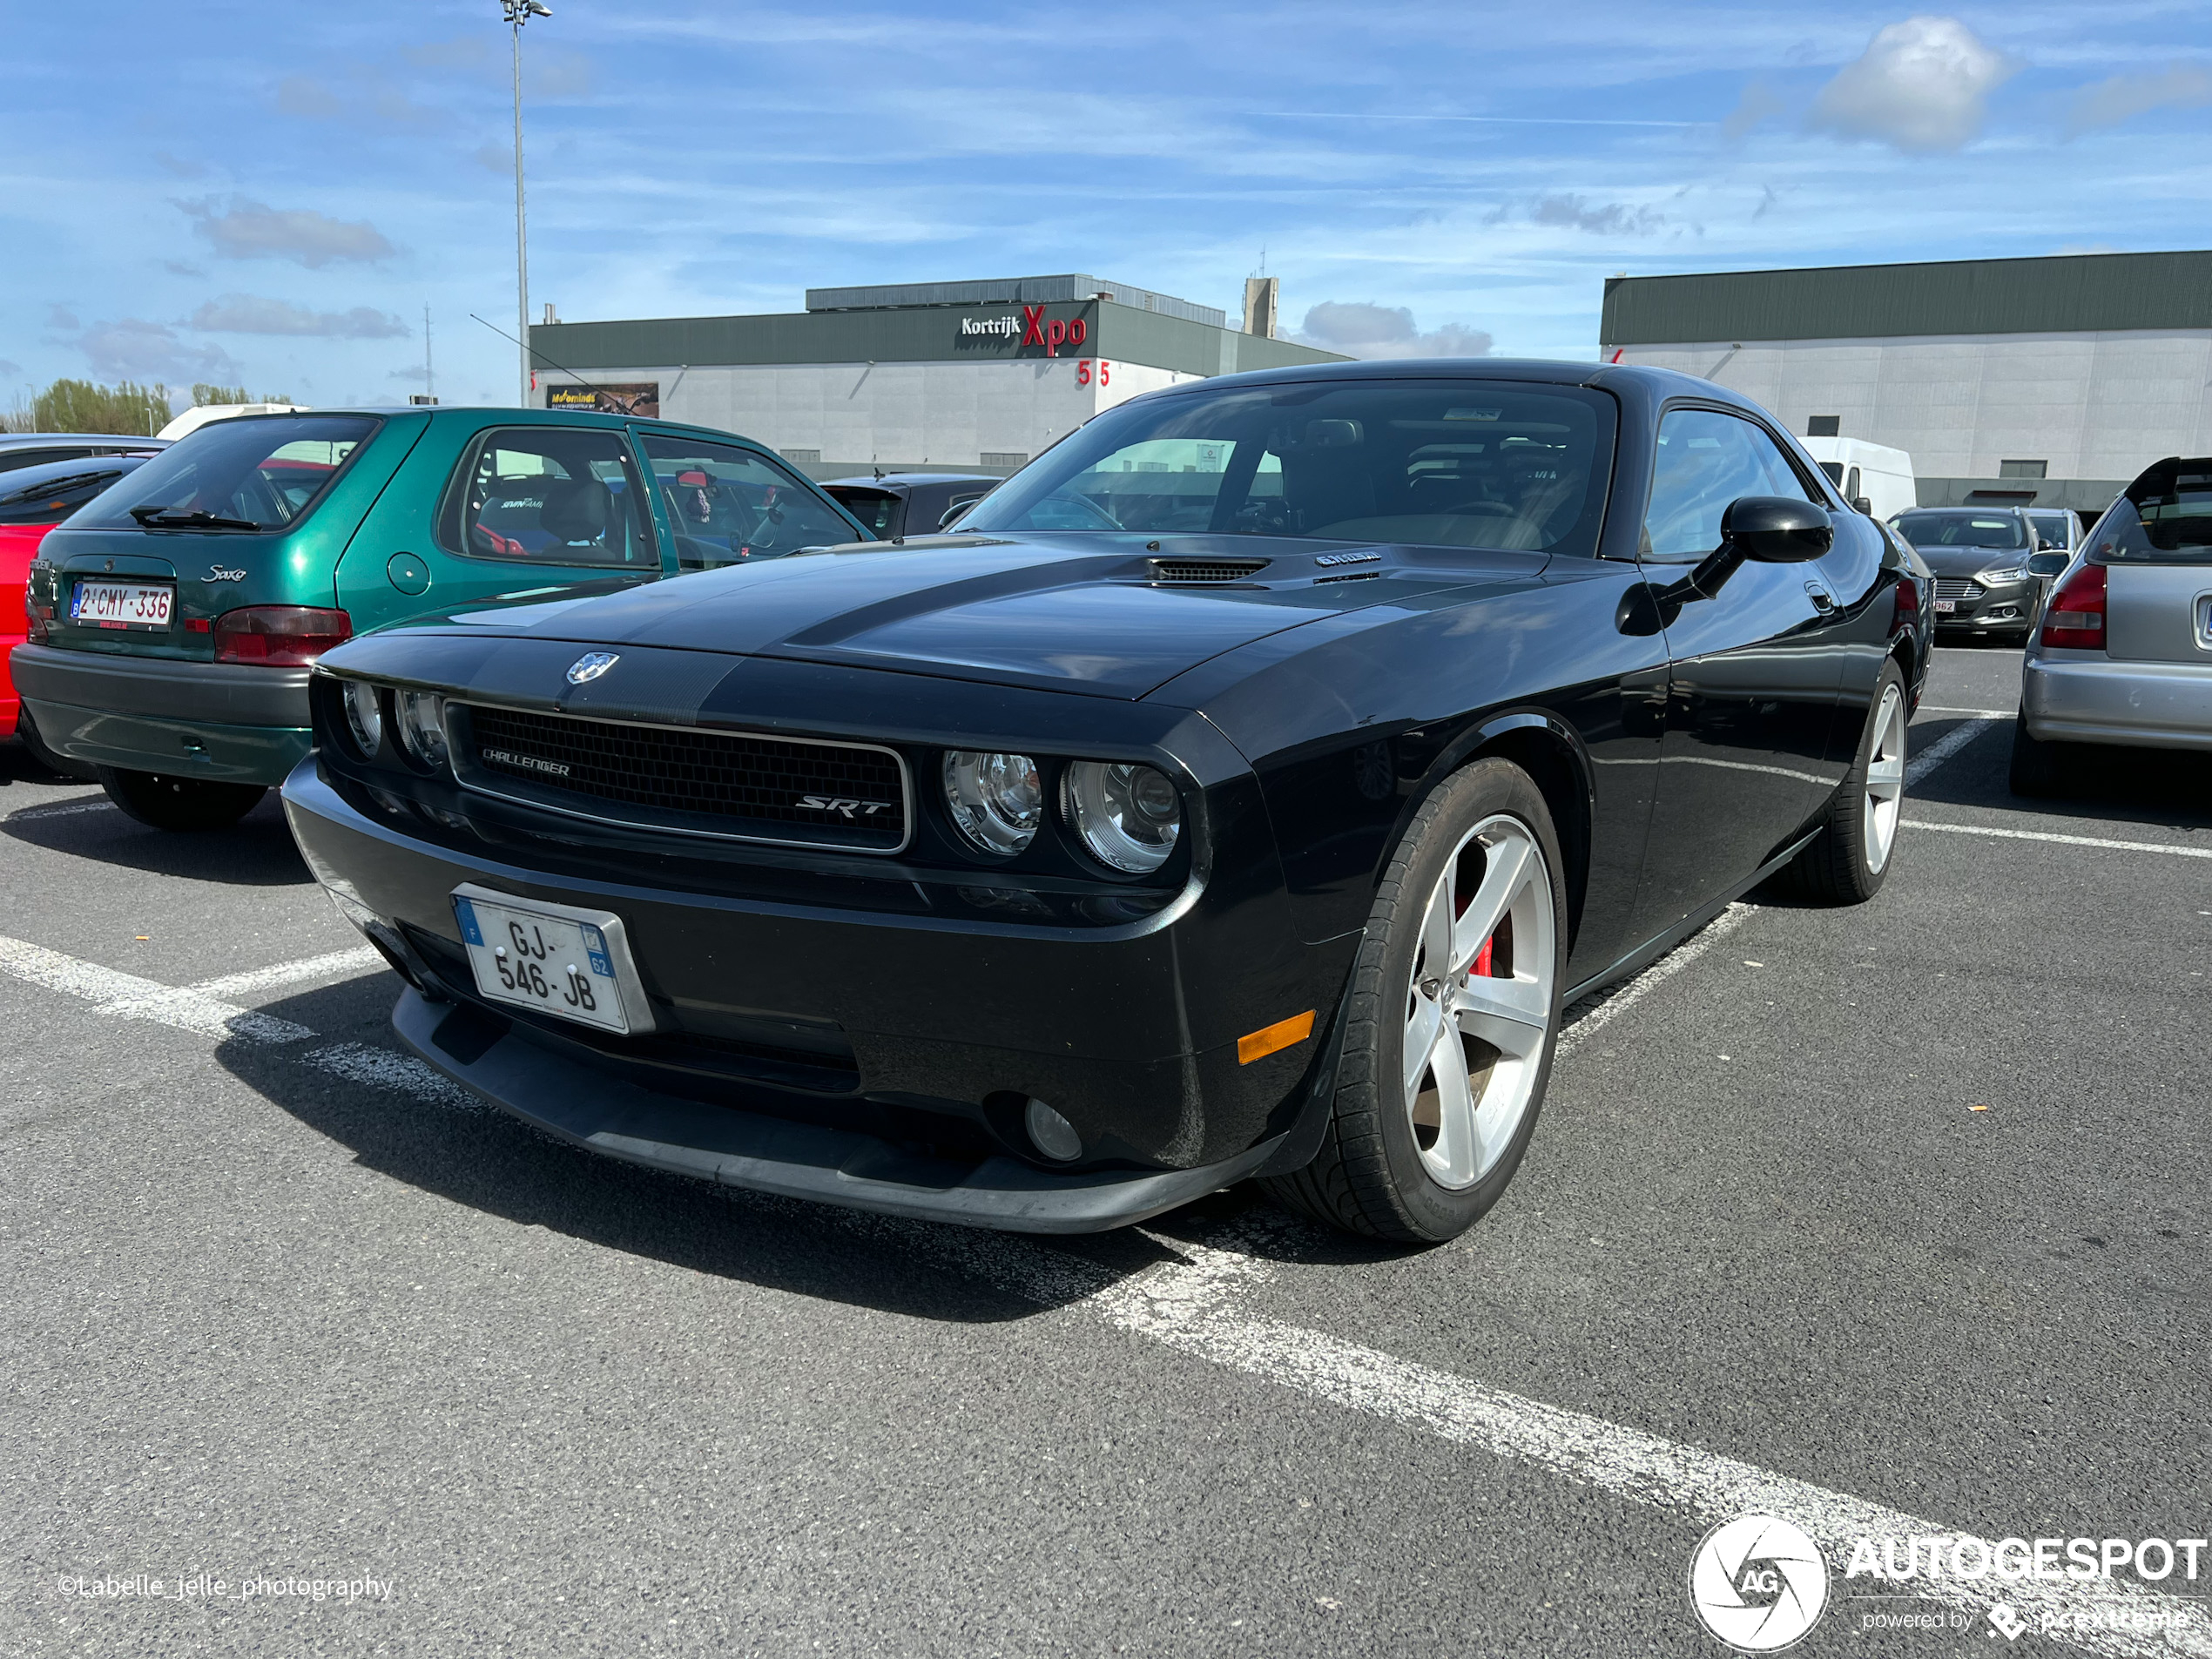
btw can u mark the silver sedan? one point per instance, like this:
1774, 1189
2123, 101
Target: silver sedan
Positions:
2123, 654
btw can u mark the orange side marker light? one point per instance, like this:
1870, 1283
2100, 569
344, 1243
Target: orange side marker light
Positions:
1271, 1039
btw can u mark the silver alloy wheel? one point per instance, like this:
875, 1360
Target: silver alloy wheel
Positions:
1885, 779
1479, 1006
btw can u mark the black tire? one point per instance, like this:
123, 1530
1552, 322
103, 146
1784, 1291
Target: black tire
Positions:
1368, 1177
27, 729
1839, 866
2039, 769
166, 803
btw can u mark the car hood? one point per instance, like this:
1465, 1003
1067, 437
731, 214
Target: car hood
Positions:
1083, 612
1972, 561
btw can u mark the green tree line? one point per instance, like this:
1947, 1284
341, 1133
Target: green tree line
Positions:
126, 407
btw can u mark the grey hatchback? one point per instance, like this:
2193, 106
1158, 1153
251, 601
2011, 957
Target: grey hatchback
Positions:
2124, 654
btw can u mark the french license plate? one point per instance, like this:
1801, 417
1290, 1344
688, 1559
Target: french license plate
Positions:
572, 964
123, 604
1945, 607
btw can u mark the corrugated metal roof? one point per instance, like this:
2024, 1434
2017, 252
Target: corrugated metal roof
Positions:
2063, 294
1007, 291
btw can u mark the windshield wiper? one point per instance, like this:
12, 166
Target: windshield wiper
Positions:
162, 518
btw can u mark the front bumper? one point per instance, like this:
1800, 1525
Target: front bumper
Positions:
873, 1059
224, 721
2085, 696
1990, 610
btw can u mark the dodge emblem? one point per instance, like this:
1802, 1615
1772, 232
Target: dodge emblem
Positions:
591, 666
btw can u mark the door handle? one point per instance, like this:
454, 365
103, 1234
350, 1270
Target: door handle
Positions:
1822, 599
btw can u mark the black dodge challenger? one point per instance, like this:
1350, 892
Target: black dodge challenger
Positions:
1244, 791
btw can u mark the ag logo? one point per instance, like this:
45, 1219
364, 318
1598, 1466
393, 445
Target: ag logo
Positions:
1758, 1583
591, 666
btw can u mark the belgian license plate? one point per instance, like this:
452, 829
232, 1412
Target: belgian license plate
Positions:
1945, 607
572, 964
123, 604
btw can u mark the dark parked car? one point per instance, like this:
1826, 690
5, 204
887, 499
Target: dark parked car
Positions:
1054, 873
1980, 555
36, 449
896, 504
173, 620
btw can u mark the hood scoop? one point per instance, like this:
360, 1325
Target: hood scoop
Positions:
1187, 572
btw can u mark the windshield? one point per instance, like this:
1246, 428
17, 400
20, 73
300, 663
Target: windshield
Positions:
250, 473
1433, 462
2164, 518
1963, 530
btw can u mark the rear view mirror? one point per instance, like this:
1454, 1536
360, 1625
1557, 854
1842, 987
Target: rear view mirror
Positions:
2048, 562
1776, 529
1332, 435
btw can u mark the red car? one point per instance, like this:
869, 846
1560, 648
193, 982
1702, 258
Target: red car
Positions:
32, 501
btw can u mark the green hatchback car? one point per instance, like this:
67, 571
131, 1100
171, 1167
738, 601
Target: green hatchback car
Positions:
174, 620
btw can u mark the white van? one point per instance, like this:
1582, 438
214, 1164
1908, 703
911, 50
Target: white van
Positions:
1873, 477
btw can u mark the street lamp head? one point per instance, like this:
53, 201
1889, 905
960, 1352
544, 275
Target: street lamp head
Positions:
519, 12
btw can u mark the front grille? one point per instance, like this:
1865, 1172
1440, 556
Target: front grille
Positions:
1964, 590
1205, 569
740, 786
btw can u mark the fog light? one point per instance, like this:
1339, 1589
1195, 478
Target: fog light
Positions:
1051, 1134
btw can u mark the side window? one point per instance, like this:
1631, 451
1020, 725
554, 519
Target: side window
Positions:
727, 505
1706, 460
549, 496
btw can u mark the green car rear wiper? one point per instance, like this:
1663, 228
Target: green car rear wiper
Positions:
162, 518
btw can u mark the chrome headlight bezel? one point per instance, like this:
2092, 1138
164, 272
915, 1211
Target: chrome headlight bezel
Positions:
1127, 814
364, 716
419, 720
996, 800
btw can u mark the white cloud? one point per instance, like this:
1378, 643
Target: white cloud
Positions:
2110, 102
1922, 86
1359, 330
252, 313
248, 230
134, 349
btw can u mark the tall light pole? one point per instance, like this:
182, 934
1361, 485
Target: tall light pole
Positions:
518, 12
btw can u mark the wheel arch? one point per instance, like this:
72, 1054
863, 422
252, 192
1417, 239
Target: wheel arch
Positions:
1552, 753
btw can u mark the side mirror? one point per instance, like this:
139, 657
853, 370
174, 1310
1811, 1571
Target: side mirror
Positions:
1776, 529
1860, 504
2048, 562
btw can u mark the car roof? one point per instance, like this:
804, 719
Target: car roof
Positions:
474, 413
42, 440
27, 481
890, 481
1637, 380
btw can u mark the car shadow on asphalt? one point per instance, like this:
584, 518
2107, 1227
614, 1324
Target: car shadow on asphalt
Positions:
256, 852
477, 1157
2164, 788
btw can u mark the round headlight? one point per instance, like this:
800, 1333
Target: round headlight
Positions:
422, 717
1128, 815
363, 717
996, 798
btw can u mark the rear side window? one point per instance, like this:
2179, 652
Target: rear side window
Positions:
878, 509
2165, 517
547, 494
247, 473
730, 506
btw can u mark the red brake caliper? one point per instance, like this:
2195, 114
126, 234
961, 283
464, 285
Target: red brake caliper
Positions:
1481, 968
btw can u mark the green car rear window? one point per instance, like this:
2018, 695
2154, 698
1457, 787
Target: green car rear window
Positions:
252, 472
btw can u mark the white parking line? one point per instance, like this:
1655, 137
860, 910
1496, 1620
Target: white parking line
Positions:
1979, 714
67, 809
126, 996
1947, 745
263, 979
2167, 848
1654, 976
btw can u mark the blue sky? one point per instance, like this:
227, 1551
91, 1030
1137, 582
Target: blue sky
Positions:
272, 193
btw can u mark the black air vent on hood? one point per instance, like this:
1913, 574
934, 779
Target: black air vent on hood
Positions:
1206, 570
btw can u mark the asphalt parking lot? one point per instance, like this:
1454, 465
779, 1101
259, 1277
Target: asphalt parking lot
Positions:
1889, 1217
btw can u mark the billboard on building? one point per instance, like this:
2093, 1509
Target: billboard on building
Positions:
629, 397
